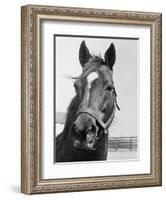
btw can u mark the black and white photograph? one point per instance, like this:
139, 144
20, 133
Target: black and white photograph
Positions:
95, 99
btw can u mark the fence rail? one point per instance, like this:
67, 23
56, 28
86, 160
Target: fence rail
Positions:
123, 143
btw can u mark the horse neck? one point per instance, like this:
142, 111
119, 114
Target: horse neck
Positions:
71, 114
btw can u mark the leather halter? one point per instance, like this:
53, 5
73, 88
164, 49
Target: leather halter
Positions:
95, 115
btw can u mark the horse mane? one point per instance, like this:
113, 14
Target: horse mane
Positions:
70, 117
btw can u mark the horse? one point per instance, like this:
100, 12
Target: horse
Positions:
91, 111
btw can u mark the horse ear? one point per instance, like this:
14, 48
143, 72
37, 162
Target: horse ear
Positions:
110, 56
84, 54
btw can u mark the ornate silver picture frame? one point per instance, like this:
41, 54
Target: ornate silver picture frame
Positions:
50, 35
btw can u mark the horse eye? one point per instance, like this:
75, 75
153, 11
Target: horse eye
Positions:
109, 88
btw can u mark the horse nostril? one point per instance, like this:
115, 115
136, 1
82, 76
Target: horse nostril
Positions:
92, 128
75, 128
89, 138
76, 133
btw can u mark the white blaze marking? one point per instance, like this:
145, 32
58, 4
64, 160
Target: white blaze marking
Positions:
90, 78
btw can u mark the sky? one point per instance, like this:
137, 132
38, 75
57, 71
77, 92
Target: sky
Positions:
125, 77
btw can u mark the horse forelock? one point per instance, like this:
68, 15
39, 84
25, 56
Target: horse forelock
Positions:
96, 61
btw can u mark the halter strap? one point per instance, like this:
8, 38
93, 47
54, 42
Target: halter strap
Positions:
91, 112
95, 115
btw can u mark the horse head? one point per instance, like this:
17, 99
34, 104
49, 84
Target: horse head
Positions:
97, 98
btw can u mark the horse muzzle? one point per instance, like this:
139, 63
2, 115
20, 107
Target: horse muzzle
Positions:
83, 146
85, 132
